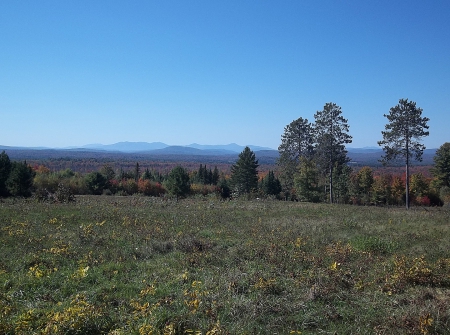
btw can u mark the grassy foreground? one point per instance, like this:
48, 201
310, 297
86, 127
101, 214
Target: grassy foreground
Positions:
135, 265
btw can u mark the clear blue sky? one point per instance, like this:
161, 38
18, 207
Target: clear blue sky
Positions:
216, 72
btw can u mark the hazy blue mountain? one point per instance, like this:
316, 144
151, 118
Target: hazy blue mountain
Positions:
5, 147
233, 147
359, 156
128, 146
365, 150
147, 147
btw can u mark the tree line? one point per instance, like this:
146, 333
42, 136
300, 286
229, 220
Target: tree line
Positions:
313, 162
312, 166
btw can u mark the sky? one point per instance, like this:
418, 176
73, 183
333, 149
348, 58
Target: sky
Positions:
216, 72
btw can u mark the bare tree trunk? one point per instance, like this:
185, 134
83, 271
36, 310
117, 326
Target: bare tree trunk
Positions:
331, 184
407, 182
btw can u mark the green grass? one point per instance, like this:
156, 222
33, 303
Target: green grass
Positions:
137, 265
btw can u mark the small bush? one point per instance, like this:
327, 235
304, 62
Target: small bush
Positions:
444, 194
63, 194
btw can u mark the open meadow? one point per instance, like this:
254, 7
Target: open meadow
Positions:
141, 265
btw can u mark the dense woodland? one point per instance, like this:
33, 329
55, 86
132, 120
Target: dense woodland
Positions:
313, 166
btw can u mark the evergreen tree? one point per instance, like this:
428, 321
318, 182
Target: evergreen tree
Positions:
20, 180
137, 172
441, 168
5, 170
331, 130
297, 141
307, 181
177, 183
95, 182
224, 189
147, 175
270, 185
209, 178
244, 173
201, 175
402, 136
215, 176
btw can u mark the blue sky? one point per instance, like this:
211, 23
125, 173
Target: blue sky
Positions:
216, 72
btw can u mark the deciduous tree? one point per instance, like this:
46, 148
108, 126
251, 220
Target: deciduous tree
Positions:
403, 134
365, 181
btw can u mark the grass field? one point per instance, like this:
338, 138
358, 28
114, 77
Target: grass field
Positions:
138, 265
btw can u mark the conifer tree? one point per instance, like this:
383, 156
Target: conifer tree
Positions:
331, 131
403, 134
297, 141
244, 173
5, 170
137, 172
20, 180
215, 176
441, 168
307, 181
178, 183
270, 184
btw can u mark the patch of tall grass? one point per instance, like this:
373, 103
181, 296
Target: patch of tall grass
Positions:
140, 265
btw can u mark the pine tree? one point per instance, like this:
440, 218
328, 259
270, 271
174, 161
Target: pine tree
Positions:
307, 181
96, 182
178, 183
215, 176
147, 175
441, 168
331, 131
20, 180
244, 173
270, 184
297, 141
5, 170
402, 136
201, 175
137, 172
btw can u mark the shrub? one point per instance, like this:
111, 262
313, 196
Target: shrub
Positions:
150, 188
129, 186
444, 194
95, 182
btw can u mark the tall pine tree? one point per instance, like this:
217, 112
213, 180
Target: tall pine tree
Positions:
297, 141
403, 134
331, 130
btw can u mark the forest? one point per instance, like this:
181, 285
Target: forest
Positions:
313, 165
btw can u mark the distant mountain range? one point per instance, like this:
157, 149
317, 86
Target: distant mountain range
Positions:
163, 148
158, 150
155, 147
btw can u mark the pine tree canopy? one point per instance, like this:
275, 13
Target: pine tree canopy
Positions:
244, 173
